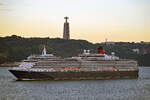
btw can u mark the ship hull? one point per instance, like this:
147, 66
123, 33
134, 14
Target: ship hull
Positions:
21, 75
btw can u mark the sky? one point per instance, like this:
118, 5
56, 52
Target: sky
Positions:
92, 20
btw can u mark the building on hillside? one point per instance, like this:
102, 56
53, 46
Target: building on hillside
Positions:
136, 51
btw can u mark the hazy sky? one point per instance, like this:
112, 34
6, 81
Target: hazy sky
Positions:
92, 20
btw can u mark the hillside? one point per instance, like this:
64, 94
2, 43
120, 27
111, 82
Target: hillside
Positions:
15, 48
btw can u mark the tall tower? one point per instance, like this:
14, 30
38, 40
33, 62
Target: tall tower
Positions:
66, 31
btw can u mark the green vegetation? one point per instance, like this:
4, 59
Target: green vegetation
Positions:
15, 48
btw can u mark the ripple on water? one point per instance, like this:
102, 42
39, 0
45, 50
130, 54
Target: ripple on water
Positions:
119, 89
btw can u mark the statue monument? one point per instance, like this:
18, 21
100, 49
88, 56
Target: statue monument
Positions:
66, 31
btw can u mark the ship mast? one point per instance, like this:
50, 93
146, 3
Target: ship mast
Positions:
44, 51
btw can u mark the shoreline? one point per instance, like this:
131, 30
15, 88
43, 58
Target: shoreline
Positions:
10, 64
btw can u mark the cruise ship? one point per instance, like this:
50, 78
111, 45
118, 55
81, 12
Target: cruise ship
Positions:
85, 66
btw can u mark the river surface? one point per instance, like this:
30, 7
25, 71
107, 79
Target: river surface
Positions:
117, 89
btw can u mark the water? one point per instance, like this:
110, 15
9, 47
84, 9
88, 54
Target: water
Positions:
118, 89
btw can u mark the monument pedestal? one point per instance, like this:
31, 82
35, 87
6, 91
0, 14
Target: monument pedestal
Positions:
66, 31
